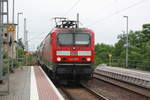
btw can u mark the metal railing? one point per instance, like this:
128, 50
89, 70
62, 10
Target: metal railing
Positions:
135, 64
5, 77
5, 72
7, 68
27, 61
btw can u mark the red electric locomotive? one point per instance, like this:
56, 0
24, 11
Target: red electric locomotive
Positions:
68, 51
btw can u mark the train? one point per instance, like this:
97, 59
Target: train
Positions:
67, 51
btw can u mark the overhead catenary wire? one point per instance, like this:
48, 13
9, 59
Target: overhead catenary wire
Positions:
75, 4
117, 12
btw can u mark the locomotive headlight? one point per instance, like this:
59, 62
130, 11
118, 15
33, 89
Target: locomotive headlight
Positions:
88, 59
58, 59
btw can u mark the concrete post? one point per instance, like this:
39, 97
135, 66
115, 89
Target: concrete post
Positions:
1, 58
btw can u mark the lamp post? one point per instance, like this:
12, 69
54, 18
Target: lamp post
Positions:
13, 12
127, 43
12, 45
20, 13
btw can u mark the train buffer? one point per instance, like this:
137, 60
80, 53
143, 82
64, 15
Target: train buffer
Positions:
136, 77
31, 83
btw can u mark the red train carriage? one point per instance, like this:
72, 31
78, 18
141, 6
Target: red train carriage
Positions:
68, 52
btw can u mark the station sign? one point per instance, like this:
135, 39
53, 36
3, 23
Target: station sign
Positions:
109, 55
11, 28
26, 53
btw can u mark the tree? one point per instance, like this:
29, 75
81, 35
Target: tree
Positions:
139, 49
101, 53
20, 44
146, 32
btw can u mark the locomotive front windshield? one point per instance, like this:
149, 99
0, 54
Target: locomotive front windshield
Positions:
73, 39
65, 39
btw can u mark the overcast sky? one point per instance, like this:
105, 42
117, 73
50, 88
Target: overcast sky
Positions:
104, 17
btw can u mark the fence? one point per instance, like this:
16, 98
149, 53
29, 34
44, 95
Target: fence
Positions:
136, 64
26, 61
7, 67
4, 86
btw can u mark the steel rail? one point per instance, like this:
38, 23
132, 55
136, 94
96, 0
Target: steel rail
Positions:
99, 96
70, 97
67, 94
128, 86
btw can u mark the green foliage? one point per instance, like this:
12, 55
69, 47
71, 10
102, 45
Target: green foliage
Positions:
139, 50
5, 55
20, 52
101, 53
32, 59
146, 32
20, 43
147, 50
5, 62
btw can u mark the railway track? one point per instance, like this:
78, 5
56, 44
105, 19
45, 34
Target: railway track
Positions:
100, 96
124, 85
117, 90
82, 93
104, 88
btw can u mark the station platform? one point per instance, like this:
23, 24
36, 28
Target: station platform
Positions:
31, 83
136, 77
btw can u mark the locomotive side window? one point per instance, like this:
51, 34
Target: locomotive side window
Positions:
65, 39
82, 39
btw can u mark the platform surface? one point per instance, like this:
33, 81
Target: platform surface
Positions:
137, 77
31, 83
130, 72
19, 85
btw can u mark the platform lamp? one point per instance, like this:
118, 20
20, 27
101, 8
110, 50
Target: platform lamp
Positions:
18, 14
127, 43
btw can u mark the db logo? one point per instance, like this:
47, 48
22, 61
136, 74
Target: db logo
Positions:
73, 52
